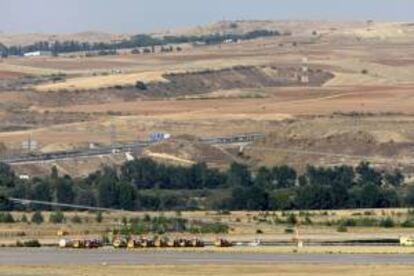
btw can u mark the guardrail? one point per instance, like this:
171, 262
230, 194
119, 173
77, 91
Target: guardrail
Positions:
133, 147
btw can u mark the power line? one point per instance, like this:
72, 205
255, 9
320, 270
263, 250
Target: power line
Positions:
64, 205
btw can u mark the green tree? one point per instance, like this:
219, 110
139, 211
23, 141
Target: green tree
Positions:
7, 177
6, 218
370, 196
314, 197
366, 175
394, 178
264, 178
37, 218
57, 217
281, 199
127, 196
99, 217
257, 198
41, 191
64, 190
284, 176
85, 197
238, 175
24, 219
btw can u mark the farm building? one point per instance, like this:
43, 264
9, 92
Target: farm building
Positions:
38, 54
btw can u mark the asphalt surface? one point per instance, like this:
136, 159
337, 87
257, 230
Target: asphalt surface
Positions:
52, 256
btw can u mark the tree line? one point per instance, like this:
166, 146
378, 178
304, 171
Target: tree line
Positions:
140, 40
144, 184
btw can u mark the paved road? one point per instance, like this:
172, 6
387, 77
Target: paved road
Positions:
48, 256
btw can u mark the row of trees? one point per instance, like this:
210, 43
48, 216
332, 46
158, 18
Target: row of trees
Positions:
146, 185
141, 40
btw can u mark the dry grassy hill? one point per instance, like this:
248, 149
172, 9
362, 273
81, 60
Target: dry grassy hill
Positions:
10, 39
359, 100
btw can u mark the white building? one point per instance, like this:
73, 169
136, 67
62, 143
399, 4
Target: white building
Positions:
38, 54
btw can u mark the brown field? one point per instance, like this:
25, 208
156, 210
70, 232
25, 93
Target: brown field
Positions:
204, 270
365, 109
243, 227
10, 75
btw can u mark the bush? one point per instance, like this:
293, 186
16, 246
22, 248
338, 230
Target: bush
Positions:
364, 72
308, 220
57, 217
342, 229
259, 231
210, 228
408, 224
99, 217
37, 218
387, 223
29, 243
348, 223
292, 219
140, 85
24, 219
6, 218
76, 219
289, 230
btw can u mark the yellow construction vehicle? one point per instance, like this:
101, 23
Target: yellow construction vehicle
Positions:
407, 241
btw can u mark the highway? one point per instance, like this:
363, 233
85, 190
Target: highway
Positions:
53, 256
132, 147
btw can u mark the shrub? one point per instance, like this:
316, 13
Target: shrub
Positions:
308, 220
387, 223
140, 85
364, 72
209, 228
24, 219
37, 218
289, 230
408, 224
147, 217
348, 223
342, 229
259, 231
29, 243
99, 217
291, 219
6, 218
57, 217
76, 219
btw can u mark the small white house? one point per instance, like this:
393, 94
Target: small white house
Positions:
38, 54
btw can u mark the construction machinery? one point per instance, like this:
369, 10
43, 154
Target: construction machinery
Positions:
80, 243
119, 243
222, 243
197, 243
407, 241
161, 242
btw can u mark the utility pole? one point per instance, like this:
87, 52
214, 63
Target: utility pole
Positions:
304, 78
112, 134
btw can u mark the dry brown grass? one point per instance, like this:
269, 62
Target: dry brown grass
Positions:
207, 270
96, 82
243, 228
